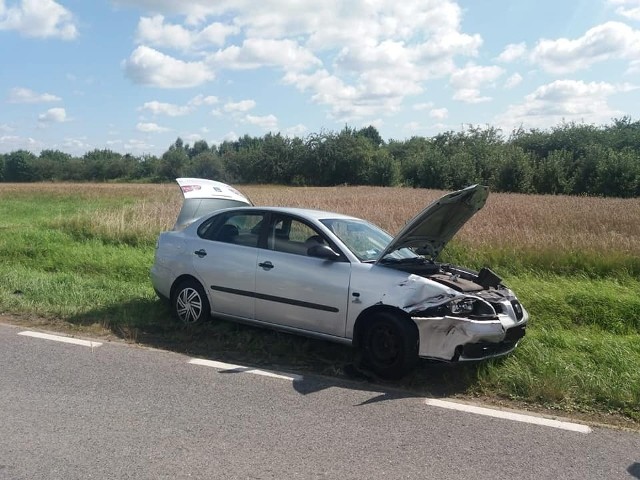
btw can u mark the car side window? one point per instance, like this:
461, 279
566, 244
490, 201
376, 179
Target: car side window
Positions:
290, 235
239, 229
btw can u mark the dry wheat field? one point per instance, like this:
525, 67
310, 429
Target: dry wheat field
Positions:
512, 221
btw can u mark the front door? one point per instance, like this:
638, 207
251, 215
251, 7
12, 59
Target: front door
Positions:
296, 290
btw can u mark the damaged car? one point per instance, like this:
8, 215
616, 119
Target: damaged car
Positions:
337, 277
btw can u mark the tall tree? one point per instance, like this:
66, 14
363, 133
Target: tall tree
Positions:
206, 164
199, 147
372, 134
171, 163
18, 166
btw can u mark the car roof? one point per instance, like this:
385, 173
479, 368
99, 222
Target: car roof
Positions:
303, 212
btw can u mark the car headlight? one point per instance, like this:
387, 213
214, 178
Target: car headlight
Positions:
471, 307
464, 306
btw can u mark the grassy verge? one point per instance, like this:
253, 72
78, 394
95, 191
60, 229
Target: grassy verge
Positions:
82, 263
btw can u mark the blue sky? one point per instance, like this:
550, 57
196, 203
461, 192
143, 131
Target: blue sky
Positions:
133, 75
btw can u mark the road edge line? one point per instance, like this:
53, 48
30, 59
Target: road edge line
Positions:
507, 415
59, 338
232, 368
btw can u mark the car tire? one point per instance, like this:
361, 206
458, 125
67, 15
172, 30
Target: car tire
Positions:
189, 303
390, 345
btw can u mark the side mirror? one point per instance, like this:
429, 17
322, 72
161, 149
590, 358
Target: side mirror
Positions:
322, 251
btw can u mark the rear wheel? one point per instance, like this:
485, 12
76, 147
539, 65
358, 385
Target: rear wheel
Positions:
390, 345
189, 302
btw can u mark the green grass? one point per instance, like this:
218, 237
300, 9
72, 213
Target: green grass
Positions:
581, 369
546, 260
582, 350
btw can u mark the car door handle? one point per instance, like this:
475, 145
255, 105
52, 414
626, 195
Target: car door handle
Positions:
201, 253
266, 265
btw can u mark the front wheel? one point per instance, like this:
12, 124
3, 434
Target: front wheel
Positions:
189, 302
390, 345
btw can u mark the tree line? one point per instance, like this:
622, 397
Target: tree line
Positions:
570, 158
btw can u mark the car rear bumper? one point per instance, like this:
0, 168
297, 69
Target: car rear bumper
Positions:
161, 279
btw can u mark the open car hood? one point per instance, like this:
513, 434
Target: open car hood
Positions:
429, 231
202, 196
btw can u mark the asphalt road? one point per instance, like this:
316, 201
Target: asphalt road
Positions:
119, 411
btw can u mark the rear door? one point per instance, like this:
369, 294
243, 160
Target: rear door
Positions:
225, 256
296, 290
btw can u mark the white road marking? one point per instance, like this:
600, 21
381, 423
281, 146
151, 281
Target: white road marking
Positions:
58, 338
231, 368
517, 417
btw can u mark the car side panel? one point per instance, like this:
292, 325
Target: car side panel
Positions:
302, 292
228, 272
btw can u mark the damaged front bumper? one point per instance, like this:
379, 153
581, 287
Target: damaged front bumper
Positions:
463, 339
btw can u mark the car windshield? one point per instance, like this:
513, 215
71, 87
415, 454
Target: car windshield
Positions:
365, 240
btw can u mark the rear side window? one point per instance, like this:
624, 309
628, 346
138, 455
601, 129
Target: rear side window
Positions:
235, 228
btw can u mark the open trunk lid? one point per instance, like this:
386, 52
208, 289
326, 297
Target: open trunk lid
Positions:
203, 196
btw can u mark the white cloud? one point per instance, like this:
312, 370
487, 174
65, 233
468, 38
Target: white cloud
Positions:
154, 31
296, 131
564, 100
38, 18
364, 22
9, 143
137, 145
172, 110
470, 95
513, 81
627, 8
439, 113
195, 10
24, 95
347, 101
267, 122
239, 107
255, 53
76, 145
230, 137
147, 66
191, 137
512, 52
360, 58
162, 108
468, 80
376, 122
603, 42
203, 100
150, 128
53, 115
634, 68
216, 34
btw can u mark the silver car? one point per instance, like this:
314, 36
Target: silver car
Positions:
337, 277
